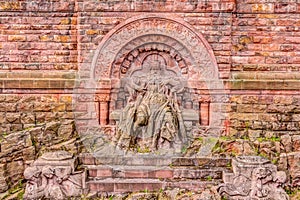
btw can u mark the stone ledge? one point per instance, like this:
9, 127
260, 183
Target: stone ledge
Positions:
37, 74
263, 84
37, 6
89, 159
135, 185
272, 76
158, 6
37, 83
59, 83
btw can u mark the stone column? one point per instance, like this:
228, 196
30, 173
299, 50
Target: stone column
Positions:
204, 113
103, 100
103, 115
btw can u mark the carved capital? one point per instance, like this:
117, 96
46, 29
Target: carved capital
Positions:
102, 97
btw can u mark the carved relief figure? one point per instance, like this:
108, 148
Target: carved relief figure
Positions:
152, 117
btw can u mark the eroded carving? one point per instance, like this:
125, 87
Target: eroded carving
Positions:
152, 118
52, 176
253, 178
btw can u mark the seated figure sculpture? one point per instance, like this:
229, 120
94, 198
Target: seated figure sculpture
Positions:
152, 118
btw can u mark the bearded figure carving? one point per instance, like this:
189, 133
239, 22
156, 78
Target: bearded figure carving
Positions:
152, 118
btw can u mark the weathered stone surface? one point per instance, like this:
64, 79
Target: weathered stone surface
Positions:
3, 183
287, 142
290, 163
66, 130
234, 147
53, 176
295, 143
253, 177
21, 147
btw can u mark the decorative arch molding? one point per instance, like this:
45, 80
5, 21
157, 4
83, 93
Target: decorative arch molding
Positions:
159, 43
120, 41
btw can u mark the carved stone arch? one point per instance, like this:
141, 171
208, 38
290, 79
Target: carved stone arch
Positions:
152, 42
122, 64
204, 65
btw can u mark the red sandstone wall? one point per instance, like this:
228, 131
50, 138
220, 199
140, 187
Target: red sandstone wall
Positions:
43, 45
38, 62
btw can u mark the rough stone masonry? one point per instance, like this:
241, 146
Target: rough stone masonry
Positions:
48, 48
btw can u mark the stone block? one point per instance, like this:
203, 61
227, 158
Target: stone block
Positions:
2, 118
201, 162
100, 172
13, 118
17, 38
29, 153
87, 159
135, 173
190, 184
28, 118
290, 163
161, 173
197, 174
138, 185
295, 143
101, 187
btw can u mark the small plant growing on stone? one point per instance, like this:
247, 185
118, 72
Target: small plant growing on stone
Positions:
209, 178
229, 165
245, 137
224, 198
183, 150
275, 139
143, 150
189, 193
274, 161
263, 155
4, 134
225, 138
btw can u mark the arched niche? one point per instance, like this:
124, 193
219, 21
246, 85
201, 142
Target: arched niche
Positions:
183, 51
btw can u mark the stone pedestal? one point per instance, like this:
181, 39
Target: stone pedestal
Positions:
253, 177
53, 176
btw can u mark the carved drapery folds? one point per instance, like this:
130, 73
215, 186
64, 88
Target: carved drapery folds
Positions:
152, 118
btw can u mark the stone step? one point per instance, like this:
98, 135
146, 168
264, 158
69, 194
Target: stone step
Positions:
118, 171
138, 160
150, 160
134, 185
158, 172
202, 162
